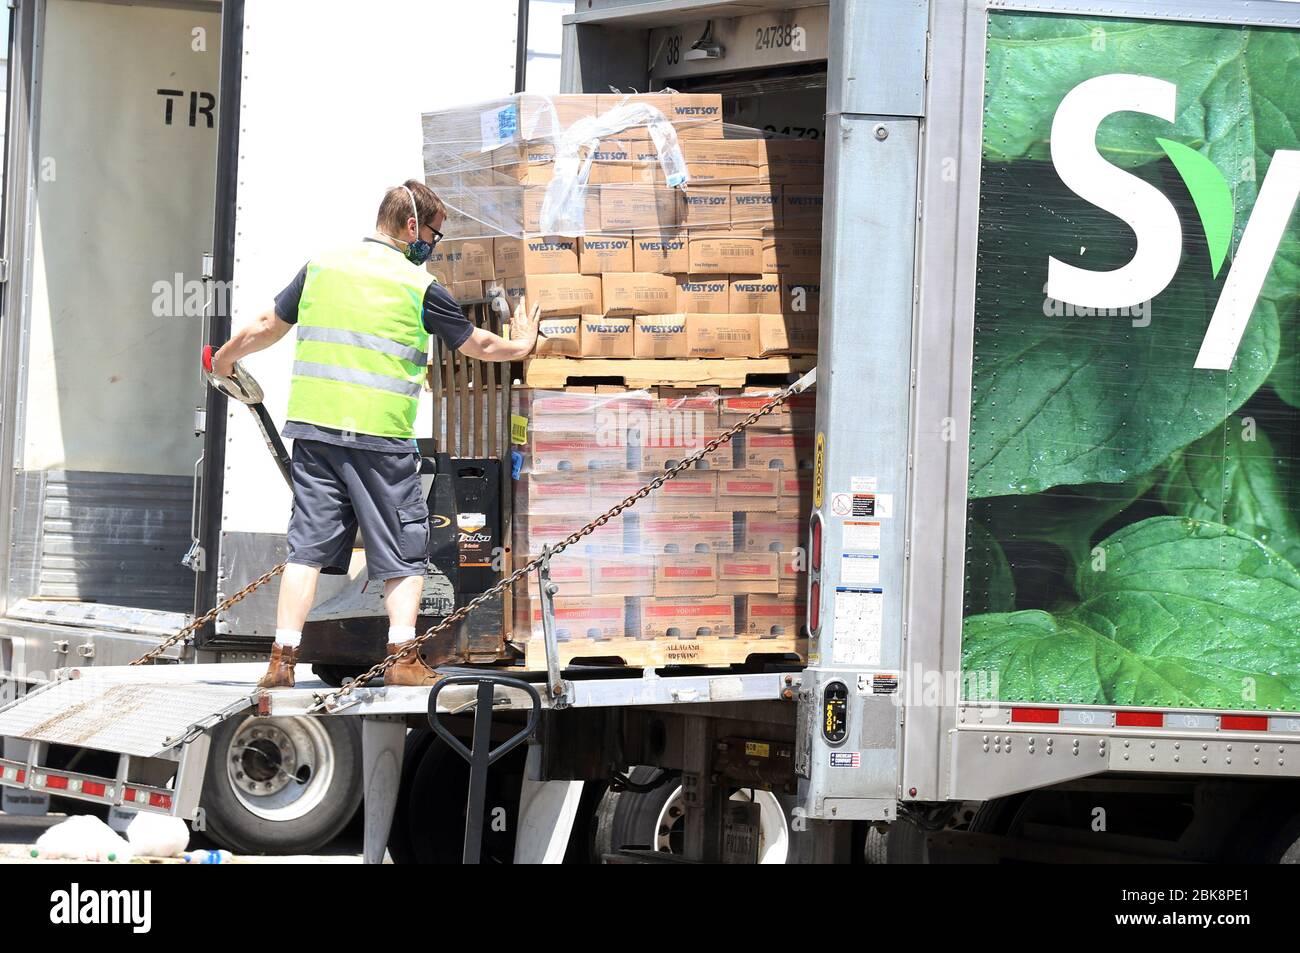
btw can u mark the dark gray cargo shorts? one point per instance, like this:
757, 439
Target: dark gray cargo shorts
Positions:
335, 489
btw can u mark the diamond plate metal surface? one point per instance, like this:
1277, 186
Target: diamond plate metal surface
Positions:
132, 717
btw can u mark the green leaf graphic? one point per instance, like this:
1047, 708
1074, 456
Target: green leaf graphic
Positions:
1186, 614
989, 586
1209, 191
1245, 484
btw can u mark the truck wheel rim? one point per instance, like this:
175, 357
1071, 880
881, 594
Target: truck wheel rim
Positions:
280, 768
773, 832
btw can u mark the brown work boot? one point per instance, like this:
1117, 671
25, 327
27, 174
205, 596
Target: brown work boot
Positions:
409, 669
279, 674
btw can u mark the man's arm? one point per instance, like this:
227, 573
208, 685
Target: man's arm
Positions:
250, 339
486, 346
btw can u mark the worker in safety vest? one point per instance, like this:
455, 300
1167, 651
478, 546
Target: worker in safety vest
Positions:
364, 315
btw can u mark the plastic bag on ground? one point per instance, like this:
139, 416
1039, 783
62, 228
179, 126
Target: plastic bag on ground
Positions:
154, 835
83, 837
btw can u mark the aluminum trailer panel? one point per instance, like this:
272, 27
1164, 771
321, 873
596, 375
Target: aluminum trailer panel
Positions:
974, 413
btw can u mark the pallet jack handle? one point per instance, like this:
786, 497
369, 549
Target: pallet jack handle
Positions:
242, 386
482, 755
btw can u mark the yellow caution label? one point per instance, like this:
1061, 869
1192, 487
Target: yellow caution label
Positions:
819, 470
518, 429
758, 749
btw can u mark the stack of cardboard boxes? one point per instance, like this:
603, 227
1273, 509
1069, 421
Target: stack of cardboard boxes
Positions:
715, 553
726, 267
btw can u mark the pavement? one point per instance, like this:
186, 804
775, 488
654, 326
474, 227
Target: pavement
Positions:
18, 834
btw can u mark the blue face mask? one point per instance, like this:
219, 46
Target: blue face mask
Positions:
418, 252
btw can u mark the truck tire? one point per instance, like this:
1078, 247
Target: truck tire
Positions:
629, 820
429, 822
401, 848
281, 785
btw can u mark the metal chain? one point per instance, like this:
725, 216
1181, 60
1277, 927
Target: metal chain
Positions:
331, 701
211, 614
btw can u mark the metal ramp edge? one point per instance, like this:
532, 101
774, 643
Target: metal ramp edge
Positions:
143, 712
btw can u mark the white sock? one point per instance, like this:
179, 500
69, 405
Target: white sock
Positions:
397, 634
288, 638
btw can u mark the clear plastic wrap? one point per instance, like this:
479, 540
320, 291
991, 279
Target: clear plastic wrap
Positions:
642, 225
715, 552
582, 164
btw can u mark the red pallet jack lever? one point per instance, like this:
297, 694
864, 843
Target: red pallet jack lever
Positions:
241, 386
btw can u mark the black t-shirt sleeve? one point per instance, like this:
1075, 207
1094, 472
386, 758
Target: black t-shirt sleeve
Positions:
444, 318
286, 302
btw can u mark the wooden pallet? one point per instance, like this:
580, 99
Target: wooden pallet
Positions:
660, 653
553, 373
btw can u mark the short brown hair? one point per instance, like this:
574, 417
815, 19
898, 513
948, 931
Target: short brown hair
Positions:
395, 209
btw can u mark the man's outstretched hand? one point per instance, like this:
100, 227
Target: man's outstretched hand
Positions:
523, 327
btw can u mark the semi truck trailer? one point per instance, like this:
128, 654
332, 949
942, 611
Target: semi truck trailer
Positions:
1052, 581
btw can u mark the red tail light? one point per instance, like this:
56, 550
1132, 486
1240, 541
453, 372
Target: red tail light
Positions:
814, 607
815, 557
1243, 723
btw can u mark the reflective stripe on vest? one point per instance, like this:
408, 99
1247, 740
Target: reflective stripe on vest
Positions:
362, 348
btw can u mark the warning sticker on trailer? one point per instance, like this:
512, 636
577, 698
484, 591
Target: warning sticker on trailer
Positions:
859, 620
863, 484
860, 569
861, 534
846, 759
878, 683
873, 504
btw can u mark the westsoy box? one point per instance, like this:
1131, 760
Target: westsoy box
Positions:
564, 294
662, 252
755, 207
638, 293
787, 334
599, 253
724, 252
703, 294
606, 335
659, 335
755, 294
722, 335
559, 337
541, 255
